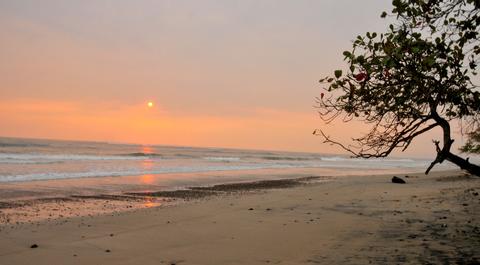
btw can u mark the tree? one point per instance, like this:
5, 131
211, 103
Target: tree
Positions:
412, 78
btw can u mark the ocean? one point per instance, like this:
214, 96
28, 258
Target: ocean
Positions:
33, 160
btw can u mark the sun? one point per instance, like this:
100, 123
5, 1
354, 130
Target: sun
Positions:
150, 104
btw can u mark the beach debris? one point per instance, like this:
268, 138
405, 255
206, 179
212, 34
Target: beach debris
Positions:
398, 180
34, 246
107, 250
250, 209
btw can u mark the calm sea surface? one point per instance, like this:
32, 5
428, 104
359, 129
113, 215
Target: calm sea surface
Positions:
29, 159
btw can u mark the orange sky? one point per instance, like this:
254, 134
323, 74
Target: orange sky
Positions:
221, 73
259, 128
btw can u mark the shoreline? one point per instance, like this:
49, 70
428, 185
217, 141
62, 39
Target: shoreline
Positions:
18, 190
37, 210
86, 197
349, 220
49, 200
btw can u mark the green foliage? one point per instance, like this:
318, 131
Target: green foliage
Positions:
338, 73
473, 143
411, 78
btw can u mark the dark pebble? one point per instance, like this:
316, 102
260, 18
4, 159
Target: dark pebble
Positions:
34, 246
108, 250
398, 180
250, 209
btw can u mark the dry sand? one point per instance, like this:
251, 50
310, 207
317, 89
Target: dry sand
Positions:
347, 220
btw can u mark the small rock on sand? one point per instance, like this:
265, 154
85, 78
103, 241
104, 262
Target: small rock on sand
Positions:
398, 180
34, 246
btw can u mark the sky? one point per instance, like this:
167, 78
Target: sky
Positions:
240, 74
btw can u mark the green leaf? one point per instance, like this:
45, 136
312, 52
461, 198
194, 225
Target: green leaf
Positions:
338, 73
430, 60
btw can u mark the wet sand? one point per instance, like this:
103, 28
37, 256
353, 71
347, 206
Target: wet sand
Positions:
345, 220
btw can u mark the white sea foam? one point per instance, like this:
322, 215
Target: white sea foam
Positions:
32, 158
88, 174
25, 160
221, 158
134, 170
374, 160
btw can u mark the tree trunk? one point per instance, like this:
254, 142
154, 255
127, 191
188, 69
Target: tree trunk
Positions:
464, 164
444, 152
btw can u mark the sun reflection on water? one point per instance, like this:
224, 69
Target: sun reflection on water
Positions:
147, 164
147, 149
147, 179
149, 202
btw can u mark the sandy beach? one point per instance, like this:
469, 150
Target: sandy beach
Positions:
346, 220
